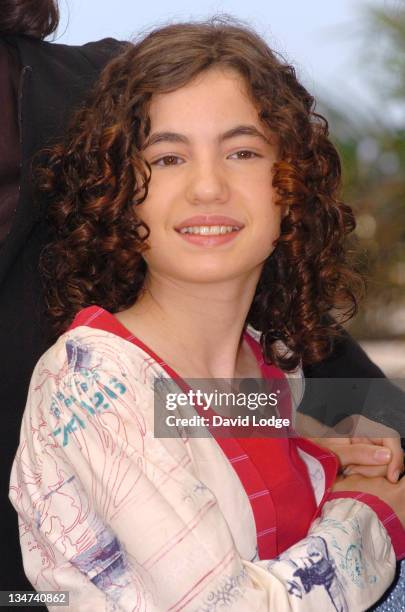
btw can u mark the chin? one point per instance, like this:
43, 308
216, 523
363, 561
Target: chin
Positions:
205, 275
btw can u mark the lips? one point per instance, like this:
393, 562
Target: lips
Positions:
209, 221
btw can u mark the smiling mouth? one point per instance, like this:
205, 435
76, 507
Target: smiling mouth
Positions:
209, 230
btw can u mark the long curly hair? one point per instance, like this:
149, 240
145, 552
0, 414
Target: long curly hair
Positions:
93, 181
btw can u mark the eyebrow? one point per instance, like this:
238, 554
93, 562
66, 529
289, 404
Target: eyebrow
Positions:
175, 137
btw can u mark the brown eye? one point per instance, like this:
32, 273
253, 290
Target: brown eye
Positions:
244, 154
168, 160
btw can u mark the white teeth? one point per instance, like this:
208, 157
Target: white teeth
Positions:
212, 230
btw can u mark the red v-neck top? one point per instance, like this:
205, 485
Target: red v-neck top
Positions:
271, 470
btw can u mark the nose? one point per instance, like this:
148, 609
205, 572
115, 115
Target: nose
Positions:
207, 183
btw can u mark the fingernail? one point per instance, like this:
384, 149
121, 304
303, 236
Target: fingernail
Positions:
347, 471
395, 475
382, 455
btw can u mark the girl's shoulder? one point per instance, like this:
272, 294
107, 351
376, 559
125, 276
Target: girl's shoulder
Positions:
94, 340
84, 348
89, 384
87, 371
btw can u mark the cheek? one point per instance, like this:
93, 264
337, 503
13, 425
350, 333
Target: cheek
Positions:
270, 220
156, 210
261, 195
149, 213
267, 232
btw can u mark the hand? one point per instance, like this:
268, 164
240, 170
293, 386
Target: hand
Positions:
371, 450
391, 494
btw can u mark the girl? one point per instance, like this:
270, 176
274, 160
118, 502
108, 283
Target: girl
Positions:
194, 200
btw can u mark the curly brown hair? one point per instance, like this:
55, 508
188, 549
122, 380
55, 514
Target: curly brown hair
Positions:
92, 181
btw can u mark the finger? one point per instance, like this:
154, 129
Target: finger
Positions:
362, 454
396, 464
370, 471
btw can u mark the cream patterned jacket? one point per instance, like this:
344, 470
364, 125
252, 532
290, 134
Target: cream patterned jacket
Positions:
128, 522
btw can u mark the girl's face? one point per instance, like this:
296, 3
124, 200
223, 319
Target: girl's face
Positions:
210, 206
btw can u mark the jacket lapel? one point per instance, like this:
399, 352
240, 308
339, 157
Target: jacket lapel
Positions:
26, 215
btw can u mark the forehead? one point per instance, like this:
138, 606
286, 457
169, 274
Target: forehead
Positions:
217, 97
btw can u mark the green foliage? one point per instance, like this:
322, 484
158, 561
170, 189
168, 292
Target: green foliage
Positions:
373, 158
387, 28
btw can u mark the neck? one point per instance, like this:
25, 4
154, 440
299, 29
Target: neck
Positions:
195, 328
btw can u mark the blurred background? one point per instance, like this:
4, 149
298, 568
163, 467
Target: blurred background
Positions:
351, 55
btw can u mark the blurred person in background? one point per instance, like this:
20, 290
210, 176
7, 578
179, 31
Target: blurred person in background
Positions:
42, 84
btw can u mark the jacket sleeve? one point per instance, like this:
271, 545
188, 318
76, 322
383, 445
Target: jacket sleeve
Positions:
346, 360
119, 519
331, 400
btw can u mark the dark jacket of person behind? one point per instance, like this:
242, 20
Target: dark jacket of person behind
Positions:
41, 85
